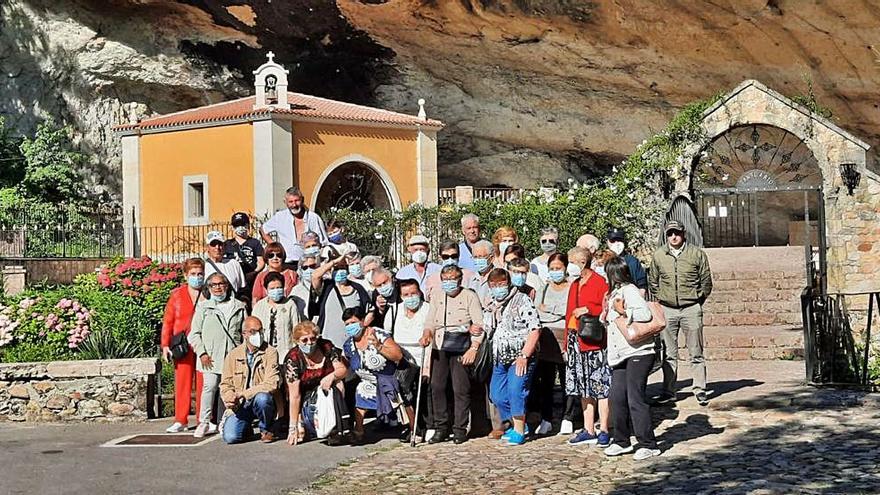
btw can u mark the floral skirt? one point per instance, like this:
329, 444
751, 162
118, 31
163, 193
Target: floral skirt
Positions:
587, 374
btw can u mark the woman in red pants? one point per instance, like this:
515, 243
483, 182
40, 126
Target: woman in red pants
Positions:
178, 315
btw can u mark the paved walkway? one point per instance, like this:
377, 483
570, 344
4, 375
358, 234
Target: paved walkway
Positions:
764, 433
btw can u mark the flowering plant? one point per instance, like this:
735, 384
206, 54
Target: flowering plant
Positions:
135, 277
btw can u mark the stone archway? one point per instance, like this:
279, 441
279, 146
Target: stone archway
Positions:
849, 229
356, 185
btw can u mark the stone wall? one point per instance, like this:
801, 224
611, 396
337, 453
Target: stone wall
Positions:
101, 390
54, 270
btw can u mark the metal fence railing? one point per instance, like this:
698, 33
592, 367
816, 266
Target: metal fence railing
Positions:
64, 232
833, 352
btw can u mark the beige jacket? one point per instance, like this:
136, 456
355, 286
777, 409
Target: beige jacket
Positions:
265, 376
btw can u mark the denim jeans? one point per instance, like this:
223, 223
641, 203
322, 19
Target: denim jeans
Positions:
509, 392
237, 427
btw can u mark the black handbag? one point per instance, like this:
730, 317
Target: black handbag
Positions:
179, 346
590, 329
456, 342
481, 369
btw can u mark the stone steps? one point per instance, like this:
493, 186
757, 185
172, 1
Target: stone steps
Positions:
755, 298
741, 343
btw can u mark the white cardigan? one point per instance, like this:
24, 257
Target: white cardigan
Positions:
619, 350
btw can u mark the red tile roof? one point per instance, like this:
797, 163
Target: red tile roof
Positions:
300, 105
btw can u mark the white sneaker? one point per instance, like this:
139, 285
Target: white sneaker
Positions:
212, 428
643, 453
226, 414
566, 428
201, 430
175, 428
616, 450
429, 434
544, 428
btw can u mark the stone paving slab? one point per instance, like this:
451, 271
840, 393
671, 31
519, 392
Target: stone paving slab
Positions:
767, 434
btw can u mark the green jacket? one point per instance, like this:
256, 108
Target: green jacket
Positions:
213, 335
682, 281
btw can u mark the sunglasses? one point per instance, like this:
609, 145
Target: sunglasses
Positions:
308, 340
310, 267
272, 256
548, 241
448, 256
674, 233
215, 244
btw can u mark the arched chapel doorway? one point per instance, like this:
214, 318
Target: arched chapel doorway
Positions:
759, 185
354, 185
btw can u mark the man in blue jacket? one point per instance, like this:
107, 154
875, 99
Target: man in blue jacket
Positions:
616, 240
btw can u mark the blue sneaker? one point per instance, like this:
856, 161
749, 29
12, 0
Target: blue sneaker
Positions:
506, 436
516, 438
604, 440
583, 437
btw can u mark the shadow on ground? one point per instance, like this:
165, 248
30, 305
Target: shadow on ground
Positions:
832, 449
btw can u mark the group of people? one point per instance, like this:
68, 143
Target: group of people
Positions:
472, 343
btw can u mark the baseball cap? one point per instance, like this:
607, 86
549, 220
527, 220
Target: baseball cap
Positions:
417, 239
240, 219
616, 234
214, 236
674, 225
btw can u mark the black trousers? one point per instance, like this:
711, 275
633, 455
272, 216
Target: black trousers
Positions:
446, 365
628, 403
543, 384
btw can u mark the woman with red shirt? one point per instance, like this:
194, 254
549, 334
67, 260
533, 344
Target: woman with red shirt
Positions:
311, 364
274, 256
178, 315
587, 373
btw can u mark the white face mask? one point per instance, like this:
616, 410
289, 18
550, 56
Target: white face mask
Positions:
616, 246
503, 245
256, 339
419, 256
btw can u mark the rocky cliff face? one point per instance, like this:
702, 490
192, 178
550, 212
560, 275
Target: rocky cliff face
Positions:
533, 91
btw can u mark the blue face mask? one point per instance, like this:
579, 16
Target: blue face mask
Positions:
218, 298
449, 286
353, 329
306, 348
557, 275
355, 270
335, 238
518, 279
449, 262
340, 276
307, 276
412, 302
195, 281
499, 293
385, 290
481, 264
276, 294
311, 252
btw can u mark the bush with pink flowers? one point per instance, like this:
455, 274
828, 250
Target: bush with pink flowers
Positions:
124, 302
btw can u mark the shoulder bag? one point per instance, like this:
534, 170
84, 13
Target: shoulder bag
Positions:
590, 328
179, 343
456, 342
638, 333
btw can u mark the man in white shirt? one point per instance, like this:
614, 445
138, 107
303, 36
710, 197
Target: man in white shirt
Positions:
291, 223
214, 262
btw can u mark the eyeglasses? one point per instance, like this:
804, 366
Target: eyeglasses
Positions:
448, 256
217, 285
272, 256
308, 340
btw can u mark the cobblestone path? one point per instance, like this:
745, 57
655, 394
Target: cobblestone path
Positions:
798, 441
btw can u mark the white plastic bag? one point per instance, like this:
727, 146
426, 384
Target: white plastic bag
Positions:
325, 413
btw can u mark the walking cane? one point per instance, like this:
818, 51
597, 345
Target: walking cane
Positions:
415, 425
